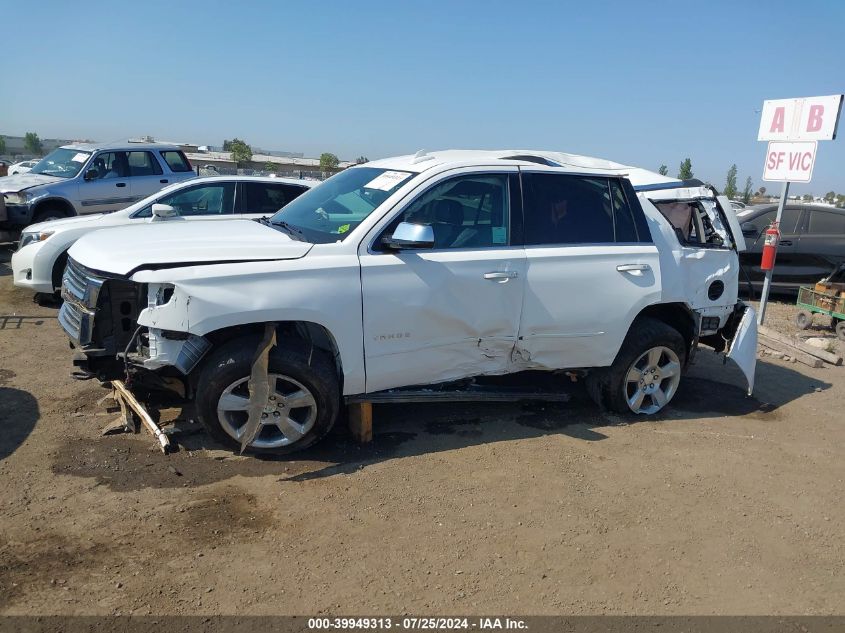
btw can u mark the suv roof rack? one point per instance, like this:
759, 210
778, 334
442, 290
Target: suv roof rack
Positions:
531, 158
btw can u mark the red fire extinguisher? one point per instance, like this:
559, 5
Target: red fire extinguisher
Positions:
770, 247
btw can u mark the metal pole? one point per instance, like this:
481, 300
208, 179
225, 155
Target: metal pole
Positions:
764, 297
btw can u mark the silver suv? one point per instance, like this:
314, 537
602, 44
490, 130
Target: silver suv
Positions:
89, 178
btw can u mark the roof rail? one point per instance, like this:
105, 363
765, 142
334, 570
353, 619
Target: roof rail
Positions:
531, 158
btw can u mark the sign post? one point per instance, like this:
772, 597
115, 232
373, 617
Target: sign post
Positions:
793, 127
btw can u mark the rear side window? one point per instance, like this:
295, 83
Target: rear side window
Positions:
826, 223
625, 229
564, 209
143, 164
176, 161
260, 197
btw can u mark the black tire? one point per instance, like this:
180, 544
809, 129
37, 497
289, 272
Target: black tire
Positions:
803, 319
49, 214
607, 385
58, 273
232, 362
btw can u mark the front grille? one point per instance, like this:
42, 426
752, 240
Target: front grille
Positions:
71, 319
99, 314
80, 290
81, 284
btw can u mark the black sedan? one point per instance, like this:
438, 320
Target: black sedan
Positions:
812, 244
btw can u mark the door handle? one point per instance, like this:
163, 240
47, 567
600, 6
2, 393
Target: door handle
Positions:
635, 269
120, 184
501, 277
785, 243
163, 181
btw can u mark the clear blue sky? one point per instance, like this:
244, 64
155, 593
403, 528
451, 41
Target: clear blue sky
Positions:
640, 82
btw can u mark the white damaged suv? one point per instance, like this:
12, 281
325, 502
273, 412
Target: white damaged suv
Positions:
412, 271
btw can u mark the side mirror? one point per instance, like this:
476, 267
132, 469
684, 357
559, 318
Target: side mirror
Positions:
749, 230
410, 236
92, 174
164, 211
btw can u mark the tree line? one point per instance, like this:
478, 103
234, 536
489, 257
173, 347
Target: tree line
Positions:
732, 191
242, 154
31, 143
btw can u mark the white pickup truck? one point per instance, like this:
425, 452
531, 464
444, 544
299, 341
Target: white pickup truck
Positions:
412, 271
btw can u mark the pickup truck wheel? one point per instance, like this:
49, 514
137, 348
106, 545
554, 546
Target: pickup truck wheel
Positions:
48, 215
646, 373
303, 405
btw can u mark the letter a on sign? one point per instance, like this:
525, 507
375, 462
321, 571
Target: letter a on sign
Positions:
806, 119
777, 120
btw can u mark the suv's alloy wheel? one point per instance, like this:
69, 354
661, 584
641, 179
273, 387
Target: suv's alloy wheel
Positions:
289, 415
652, 380
304, 395
646, 373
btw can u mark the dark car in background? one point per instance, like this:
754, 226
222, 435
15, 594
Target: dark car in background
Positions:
812, 244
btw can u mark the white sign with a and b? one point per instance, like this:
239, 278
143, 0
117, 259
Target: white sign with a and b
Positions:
792, 127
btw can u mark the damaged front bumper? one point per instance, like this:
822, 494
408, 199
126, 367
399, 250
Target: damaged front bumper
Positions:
101, 316
743, 346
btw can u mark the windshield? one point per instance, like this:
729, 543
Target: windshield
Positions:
64, 163
332, 209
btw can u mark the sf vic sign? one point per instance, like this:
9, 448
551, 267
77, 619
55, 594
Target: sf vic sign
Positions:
792, 127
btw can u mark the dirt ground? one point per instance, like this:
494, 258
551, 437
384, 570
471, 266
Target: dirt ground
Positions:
724, 504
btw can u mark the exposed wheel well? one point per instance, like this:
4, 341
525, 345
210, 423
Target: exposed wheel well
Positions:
59, 269
305, 333
55, 204
676, 315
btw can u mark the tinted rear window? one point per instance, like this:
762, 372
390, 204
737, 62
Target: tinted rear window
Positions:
268, 198
564, 209
176, 161
827, 223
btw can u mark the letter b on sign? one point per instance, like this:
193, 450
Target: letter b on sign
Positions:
814, 119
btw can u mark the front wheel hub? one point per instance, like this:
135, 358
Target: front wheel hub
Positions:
289, 414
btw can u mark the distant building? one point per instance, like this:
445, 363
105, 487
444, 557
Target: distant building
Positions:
15, 146
287, 165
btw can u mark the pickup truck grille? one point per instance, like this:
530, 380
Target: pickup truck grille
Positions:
80, 291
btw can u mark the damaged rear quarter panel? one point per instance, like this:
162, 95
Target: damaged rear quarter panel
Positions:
688, 271
208, 298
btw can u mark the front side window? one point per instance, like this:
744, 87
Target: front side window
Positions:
61, 162
210, 199
143, 164
788, 221
564, 209
267, 198
329, 211
464, 212
108, 165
